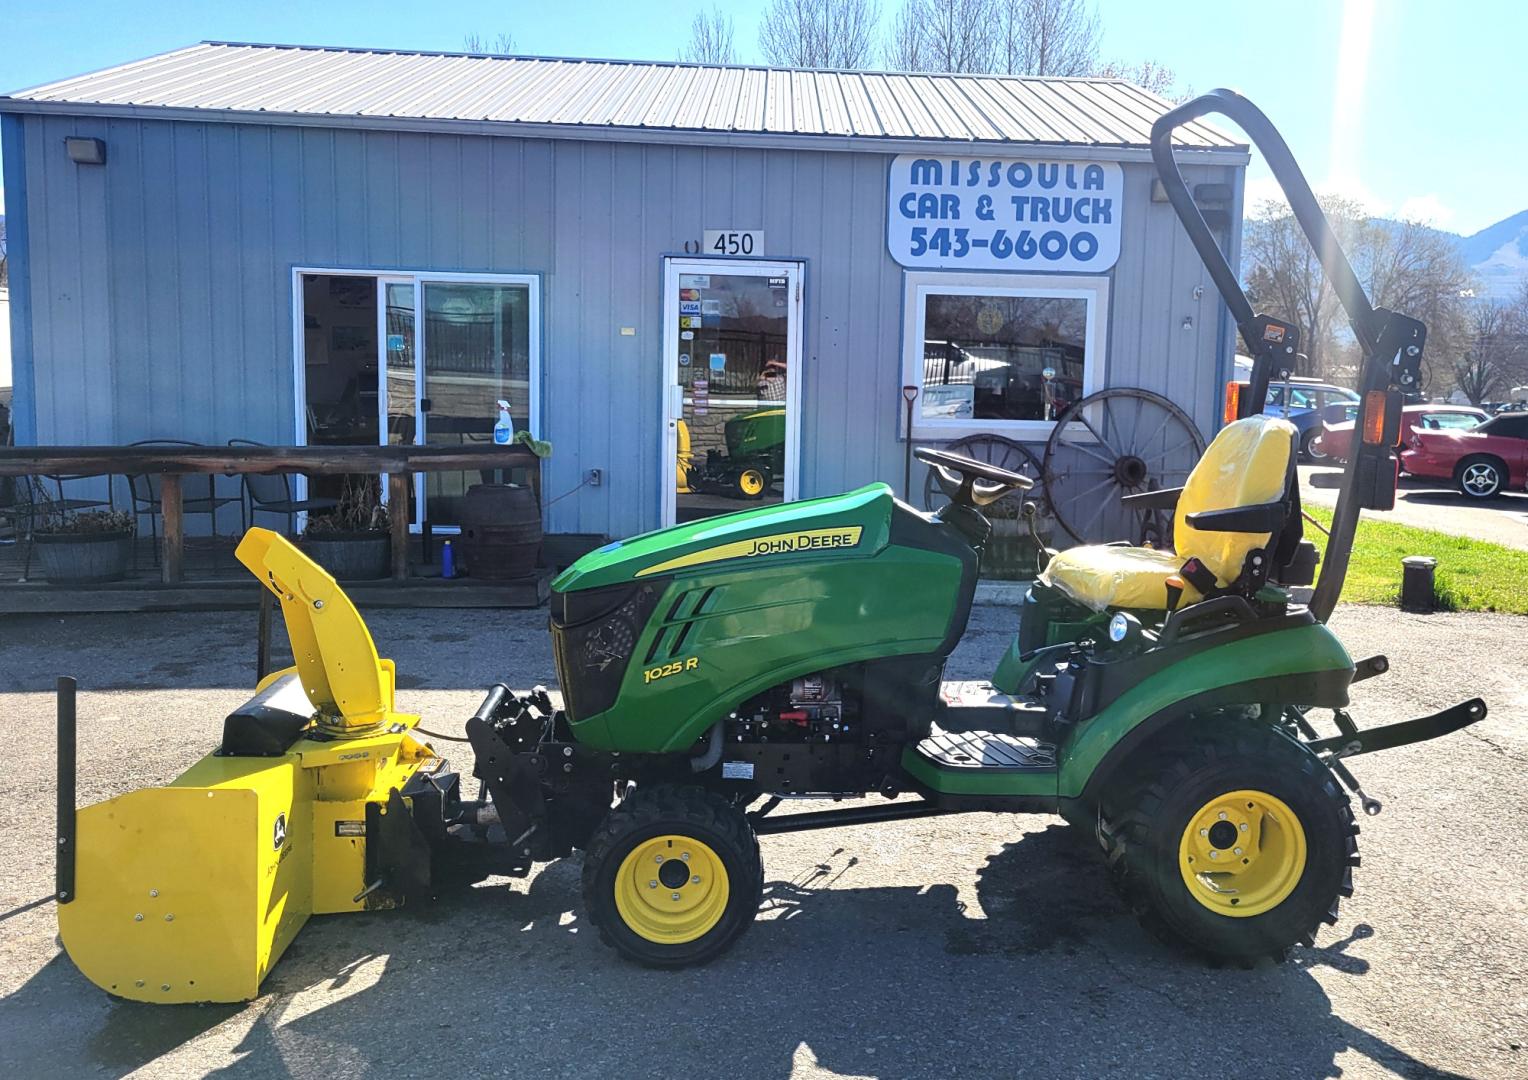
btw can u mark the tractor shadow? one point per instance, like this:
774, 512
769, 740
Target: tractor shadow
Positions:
1040, 970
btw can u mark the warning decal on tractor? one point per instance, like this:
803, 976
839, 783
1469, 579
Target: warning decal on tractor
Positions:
776, 544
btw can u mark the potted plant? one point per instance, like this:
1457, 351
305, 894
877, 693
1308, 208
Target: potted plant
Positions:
84, 548
352, 540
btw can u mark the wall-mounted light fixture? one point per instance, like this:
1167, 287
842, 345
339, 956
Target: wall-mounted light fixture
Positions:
83, 151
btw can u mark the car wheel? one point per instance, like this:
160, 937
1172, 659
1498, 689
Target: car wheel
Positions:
1310, 446
1480, 478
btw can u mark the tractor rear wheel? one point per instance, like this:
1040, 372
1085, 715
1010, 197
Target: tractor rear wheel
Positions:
672, 877
1237, 842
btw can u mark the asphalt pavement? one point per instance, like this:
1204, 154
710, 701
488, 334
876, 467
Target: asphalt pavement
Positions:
978, 945
1432, 504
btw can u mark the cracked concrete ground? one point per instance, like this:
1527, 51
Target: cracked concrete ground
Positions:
968, 946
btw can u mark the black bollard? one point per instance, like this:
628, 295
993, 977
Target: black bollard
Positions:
1418, 592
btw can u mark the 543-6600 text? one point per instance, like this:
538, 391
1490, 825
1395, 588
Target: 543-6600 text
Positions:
956, 243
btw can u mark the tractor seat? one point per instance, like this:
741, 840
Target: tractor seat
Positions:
1249, 464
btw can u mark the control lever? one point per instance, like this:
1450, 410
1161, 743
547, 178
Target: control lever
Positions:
1174, 592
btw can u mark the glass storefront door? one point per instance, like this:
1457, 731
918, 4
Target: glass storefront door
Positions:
448, 348
476, 351
732, 361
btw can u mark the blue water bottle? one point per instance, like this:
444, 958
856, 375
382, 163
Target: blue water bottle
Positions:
447, 560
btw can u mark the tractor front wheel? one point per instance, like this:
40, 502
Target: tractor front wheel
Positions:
752, 483
673, 876
1235, 841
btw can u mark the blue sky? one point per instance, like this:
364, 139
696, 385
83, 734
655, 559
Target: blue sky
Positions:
1416, 106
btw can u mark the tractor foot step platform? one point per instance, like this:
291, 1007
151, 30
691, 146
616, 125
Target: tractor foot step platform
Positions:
979, 707
997, 769
984, 750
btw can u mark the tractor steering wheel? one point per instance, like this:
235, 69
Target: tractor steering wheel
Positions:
969, 482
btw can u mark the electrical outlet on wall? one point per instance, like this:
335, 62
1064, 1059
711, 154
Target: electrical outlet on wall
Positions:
595, 477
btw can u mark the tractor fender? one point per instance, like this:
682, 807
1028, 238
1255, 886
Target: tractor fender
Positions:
1303, 665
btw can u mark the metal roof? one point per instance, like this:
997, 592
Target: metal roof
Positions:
306, 84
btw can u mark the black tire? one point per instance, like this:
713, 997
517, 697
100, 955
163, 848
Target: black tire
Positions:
1308, 448
688, 812
1142, 828
1480, 477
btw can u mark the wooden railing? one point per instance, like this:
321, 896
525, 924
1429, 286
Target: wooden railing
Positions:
171, 463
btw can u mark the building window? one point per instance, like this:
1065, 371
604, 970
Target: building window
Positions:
1000, 353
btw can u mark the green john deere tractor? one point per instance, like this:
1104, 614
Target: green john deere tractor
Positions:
754, 458
1169, 700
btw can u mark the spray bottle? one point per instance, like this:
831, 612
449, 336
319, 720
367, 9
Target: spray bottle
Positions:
504, 430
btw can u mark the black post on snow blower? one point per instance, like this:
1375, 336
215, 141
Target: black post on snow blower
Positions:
63, 878
263, 637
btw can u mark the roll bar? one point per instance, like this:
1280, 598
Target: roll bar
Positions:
1391, 343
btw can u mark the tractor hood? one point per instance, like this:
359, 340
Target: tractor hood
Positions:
855, 524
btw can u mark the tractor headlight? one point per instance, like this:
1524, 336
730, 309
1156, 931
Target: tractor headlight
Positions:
594, 633
1124, 628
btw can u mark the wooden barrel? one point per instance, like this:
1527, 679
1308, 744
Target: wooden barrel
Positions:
501, 532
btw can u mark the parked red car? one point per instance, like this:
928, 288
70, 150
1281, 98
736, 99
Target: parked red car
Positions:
1482, 462
1337, 437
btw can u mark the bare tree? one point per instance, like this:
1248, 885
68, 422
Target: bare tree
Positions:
502, 44
1494, 359
1285, 275
904, 49
958, 35
1046, 37
1015, 37
1403, 266
1407, 266
710, 39
1479, 369
1155, 78
819, 33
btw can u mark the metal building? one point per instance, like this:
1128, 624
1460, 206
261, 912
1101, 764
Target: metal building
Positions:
695, 280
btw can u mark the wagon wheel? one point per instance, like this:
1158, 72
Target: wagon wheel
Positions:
994, 450
1110, 444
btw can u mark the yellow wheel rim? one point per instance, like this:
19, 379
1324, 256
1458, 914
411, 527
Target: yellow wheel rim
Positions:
751, 482
1242, 853
671, 889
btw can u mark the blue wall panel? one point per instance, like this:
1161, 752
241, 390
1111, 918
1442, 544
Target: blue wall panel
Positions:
160, 299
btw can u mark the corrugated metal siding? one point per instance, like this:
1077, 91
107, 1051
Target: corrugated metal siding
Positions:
325, 82
161, 283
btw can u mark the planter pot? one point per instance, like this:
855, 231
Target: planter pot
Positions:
351, 556
84, 558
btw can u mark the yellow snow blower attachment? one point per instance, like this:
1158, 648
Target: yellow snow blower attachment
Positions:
191, 891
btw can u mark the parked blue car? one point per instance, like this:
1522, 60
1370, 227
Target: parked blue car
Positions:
1305, 403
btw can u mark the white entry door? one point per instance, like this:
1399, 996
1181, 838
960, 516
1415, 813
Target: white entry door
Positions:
732, 385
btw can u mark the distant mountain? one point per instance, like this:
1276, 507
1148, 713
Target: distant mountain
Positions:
1499, 254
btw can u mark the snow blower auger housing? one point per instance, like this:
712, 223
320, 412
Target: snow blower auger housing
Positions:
191, 891
1169, 700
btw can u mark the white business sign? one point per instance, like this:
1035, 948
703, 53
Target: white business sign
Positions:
1004, 214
